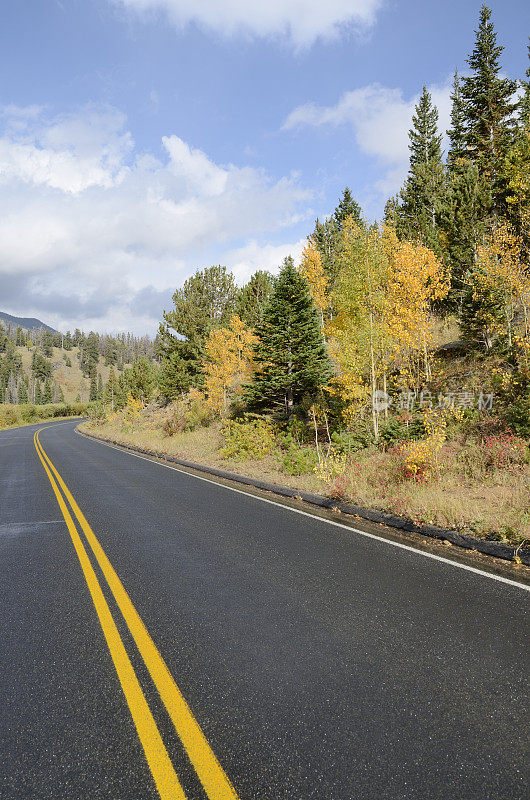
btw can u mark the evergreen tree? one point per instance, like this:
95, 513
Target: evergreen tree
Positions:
90, 353
11, 390
391, 211
93, 394
253, 298
40, 366
47, 395
347, 207
67, 341
47, 343
141, 379
524, 104
38, 393
100, 387
111, 389
422, 195
291, 357
489, 109
463, 220
23, 394
206, 301
457, 132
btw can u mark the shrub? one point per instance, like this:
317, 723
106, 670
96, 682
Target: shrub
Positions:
28, 413
299, 460
391, 432
351, 441
187, 414
252, 438
504, 450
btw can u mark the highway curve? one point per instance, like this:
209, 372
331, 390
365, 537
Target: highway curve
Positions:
164, 636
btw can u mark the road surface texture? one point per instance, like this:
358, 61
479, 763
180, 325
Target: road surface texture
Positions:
312, 661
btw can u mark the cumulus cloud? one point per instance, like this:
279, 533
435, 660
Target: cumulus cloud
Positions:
300, 22
380, 118
94, 233
253, 256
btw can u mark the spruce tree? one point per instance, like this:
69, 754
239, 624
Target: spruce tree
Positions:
463, 219
489, 109
253, 298
47, 395
111, 389
291, 356
524, 103
457, 132
23, 390
93, 394
423, 192
391, 211
347, 207
38, 393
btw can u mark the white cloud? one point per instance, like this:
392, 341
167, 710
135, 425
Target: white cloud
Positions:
299, 21
93, 232
243, 261
380, 118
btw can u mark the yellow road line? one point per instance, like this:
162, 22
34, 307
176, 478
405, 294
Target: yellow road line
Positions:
209, 771
164, 775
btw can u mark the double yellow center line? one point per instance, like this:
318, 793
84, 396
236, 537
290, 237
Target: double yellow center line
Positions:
209, 771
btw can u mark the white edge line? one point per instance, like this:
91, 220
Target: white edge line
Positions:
316, 517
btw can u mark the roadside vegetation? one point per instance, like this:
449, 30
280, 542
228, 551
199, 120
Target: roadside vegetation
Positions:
13, 415
391, 367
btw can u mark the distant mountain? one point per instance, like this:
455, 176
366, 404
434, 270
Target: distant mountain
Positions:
28, 323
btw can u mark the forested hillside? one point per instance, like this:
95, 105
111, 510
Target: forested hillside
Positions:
392, 364
40, 366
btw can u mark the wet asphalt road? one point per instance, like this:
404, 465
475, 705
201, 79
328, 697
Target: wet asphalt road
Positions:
319, 663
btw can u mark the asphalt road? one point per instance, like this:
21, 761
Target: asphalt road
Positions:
317, 662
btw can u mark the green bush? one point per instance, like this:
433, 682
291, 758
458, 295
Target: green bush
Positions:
392, 432
253, 438
352, 440
299, 460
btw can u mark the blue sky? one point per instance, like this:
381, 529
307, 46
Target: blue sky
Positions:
141, 139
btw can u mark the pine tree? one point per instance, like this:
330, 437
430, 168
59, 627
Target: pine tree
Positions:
391, 211
326, 239
205, 302
93, 394
457, 132
463, 220
489, 109
253, 298
23, 390
423, 192
90, 353
291, 357
47, 395
38, 393
100, 387
524, 104
111, 389
347, 207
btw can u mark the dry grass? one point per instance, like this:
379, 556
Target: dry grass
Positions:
460, 496
70, 379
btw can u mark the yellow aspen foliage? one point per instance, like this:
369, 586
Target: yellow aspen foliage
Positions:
383, 321
229, 363
416, 279
312, 270
498, 291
